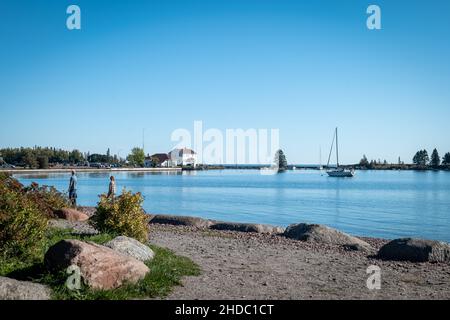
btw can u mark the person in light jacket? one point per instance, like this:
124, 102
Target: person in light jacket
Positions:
112, 187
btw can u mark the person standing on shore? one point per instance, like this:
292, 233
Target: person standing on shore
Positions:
73, 189
112, 187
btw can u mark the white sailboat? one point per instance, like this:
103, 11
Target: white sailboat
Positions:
339, 171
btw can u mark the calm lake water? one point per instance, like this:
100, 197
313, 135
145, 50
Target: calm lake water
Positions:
386, 204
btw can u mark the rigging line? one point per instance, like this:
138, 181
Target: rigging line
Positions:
331, 149
337, 149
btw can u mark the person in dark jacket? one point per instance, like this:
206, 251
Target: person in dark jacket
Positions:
73, 189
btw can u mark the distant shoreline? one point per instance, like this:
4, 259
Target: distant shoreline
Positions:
404, 167
88, 170
316, 167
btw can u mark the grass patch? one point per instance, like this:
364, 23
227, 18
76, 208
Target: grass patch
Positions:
166, 271
55, 235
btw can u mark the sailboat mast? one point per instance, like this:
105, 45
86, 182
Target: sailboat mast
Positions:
320, 156
337, 150
331, 150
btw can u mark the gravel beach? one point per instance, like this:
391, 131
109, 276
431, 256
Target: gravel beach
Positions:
237, 265
248, 265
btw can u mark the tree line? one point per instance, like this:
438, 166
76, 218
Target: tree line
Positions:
421, 159
42, 157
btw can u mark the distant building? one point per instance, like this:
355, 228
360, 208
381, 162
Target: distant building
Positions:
160, 159
176, 157
184, 157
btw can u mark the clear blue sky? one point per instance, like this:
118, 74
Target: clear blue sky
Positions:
301, 67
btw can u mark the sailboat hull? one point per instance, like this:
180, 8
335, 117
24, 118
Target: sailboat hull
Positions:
340, 173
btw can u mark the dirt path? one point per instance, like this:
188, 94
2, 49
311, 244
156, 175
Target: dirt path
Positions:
254, 266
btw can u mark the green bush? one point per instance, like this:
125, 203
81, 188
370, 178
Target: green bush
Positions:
46, 198
24, 213
122, 215
22, 225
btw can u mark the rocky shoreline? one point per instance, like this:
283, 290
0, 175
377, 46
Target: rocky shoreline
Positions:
249, 265
303, 261
403, 249
251, 261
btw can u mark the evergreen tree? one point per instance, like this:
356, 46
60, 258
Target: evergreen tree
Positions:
446, 159
364, 162
435, 159
421, 158
280, 160
416, 158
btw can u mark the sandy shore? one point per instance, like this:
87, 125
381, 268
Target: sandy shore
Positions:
240, 265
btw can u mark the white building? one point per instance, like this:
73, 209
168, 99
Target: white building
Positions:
184, 157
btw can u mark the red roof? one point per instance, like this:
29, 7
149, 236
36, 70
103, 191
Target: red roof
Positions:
160, 156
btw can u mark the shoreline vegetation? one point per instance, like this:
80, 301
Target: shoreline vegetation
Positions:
68, 169
110, 248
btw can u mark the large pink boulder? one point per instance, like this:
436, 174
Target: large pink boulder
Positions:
71, 214
101, 267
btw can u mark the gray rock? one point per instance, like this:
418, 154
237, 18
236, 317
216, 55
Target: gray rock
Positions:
131, 247
180, 220
11, 289
323, 234
246, 227
415, 250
